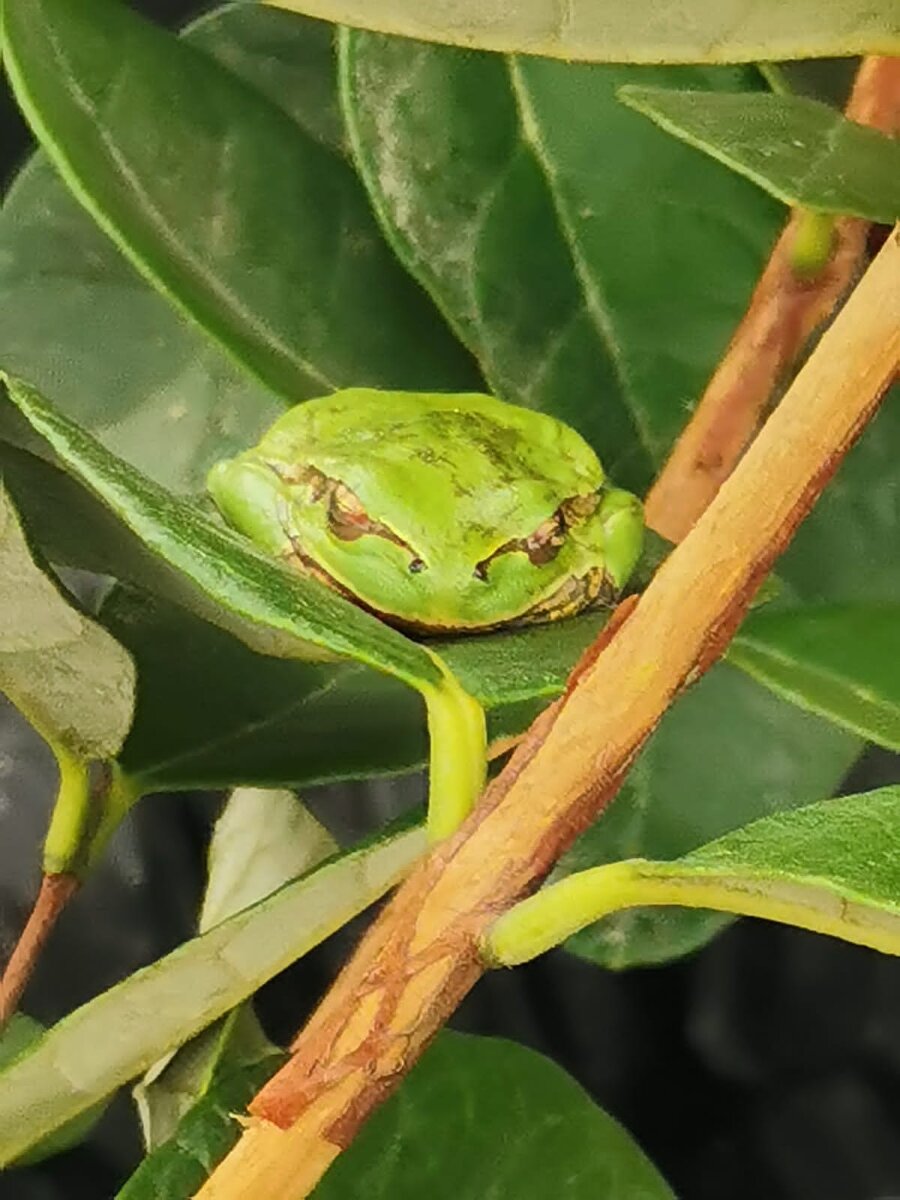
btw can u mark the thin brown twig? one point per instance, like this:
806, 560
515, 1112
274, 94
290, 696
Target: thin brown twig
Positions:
422, 954
55, 893
784, 312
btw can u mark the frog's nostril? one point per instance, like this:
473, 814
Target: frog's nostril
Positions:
416, 566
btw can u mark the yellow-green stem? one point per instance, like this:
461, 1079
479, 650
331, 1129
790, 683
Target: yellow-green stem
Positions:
550, 916
813, 242
72, 817
458, 753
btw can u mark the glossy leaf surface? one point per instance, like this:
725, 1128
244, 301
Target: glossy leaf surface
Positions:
840, 661
80, 322
802, 152
229, 210
440, 1134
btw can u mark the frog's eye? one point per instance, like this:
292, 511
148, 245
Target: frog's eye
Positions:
348, 520
544, 544
347, 517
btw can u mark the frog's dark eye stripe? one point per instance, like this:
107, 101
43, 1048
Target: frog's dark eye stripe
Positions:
347, 518
544, 544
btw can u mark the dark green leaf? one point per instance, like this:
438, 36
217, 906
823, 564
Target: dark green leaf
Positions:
726, 754
645, 31
205, 1134
211, 712
113, 1038
201, 204
595, 267
481, 1117
844, 552
65, 673
172, 1087
802, 152
842, 662
272, 608
287, 233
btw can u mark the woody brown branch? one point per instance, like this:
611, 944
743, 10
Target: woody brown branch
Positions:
55, 893
422, 955
784, 312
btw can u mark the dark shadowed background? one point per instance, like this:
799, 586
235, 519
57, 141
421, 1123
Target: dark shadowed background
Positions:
766, 1065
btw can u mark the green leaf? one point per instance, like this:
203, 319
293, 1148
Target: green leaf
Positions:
224, 577
480, 1117
65, 673
645, 31
724, 755
595, 267
840, 661
17, 1035
801, 151
115, 1037
773, 754
80, 322
205, 1134
210, 712
172, 1087
833, 867
843, 553
197, 176
261, 841
728, 753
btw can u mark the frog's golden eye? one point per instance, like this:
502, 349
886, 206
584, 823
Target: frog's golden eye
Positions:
347, 517
543, 545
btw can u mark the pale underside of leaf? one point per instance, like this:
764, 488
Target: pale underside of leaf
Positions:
68, 676
644, 31
112, 1039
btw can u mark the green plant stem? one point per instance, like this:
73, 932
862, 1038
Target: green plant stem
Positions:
72, 813
550, 916
121, 791
776, 77
91, 801
812, 242
458, 753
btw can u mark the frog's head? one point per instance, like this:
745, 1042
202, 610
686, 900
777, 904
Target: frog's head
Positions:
437, 512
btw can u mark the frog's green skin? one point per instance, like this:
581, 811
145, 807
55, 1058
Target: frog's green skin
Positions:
437, 512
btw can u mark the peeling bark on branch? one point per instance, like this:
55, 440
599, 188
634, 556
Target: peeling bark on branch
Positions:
421, 956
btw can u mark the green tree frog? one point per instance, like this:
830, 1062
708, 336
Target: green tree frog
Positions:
438, 513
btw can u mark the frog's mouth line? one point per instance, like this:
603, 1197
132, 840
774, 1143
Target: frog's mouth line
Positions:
573, 596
